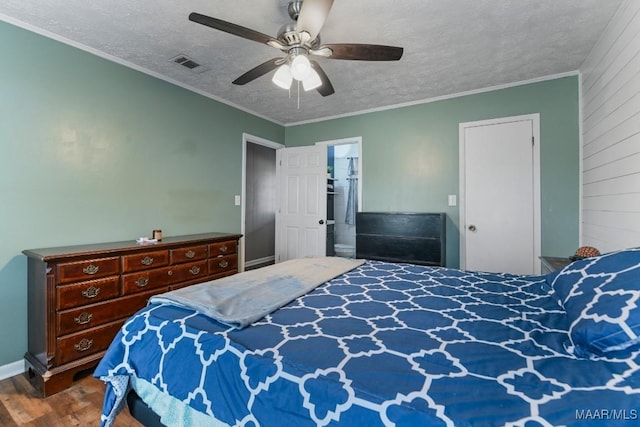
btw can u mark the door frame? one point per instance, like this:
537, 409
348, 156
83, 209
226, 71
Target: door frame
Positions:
246, 139
352, 140
535, 121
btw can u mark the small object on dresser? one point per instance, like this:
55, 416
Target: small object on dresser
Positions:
145, 240
157, 234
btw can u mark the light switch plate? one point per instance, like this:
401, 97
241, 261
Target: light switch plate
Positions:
237, 200
452, 200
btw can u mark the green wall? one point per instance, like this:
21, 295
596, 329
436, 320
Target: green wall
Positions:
410, 155
92, 151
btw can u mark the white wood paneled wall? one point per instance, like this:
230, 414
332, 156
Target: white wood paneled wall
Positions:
611, 135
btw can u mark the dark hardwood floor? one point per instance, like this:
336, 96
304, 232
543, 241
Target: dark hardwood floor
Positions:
79, 405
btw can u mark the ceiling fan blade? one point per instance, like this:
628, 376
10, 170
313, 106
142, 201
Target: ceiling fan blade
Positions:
228, 27
312, 16
258, 71
326, 88
364, 52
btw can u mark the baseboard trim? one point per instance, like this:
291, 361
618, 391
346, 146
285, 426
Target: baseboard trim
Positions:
11, 369
263, 260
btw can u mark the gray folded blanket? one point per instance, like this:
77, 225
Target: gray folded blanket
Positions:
243, 298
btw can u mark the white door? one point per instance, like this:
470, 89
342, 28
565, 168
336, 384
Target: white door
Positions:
499, 189
301, 227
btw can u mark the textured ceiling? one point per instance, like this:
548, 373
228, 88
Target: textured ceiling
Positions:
450, 46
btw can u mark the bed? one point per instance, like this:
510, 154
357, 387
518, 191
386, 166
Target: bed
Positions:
394, 344
393, 340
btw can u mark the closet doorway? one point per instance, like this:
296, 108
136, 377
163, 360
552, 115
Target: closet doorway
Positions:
258, 201
344, 194
500, 195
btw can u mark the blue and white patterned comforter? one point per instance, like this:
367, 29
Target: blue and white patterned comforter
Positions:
384, 344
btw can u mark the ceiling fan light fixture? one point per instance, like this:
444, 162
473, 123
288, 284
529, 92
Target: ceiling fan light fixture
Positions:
312, 81
300, 67
282, 77
297, 40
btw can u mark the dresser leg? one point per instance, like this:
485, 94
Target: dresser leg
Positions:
49, 382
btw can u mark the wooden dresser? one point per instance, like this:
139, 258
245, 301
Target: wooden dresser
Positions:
79, 296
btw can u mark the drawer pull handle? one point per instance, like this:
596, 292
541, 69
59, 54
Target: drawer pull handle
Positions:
224, 248
91, 292
190, 254
224, 263
83, 318
84, 344
170, 273
142, 282
194, 270
91, 269
146, 260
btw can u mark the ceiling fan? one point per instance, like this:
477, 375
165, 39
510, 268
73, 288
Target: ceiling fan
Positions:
300, 40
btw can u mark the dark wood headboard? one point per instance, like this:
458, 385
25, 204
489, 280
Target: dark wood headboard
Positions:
418, 238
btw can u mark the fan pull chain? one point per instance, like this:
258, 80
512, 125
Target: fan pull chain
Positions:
298, 94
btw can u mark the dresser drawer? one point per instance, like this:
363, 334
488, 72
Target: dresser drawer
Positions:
86, 317
188, 254
87, 342
88, 269
144, 261
223, 263
223, 248
186, 272
144, 280
88, 292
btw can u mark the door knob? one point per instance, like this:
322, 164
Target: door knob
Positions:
321, 222
472, 227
